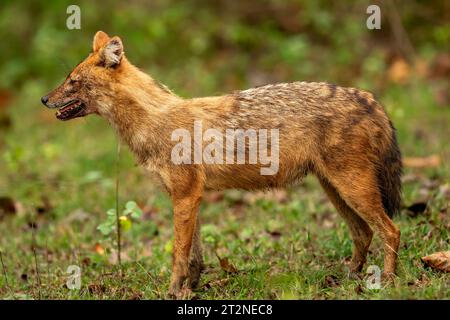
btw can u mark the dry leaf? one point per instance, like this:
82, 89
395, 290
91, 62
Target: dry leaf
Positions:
137, 296
399, 71
432, 161
96, 288
275, 234
416, 208
216, 283
331, 281
99, 249
421, 281
7, 206
86, 261
226, 265
5, 99
439, 261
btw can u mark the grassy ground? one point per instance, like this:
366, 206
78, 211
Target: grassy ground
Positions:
283, 244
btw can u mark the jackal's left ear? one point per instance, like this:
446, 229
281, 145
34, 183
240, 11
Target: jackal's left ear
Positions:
111, 54
100, 39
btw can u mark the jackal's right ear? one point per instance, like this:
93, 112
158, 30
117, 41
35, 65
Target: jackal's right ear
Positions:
100, 39
111, 54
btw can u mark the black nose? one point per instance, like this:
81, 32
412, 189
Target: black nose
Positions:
44, 100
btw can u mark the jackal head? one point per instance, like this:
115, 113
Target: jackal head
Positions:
88, 88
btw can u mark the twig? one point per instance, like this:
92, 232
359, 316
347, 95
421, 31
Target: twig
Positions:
65, 65
145, 270
33, 248
400, 34
119, 233
47, 260
4, 270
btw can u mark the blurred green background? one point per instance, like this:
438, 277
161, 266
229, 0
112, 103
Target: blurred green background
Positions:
57, 179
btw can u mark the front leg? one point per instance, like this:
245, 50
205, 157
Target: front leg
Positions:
186, 197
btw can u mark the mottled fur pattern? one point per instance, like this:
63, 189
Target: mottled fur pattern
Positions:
341, 135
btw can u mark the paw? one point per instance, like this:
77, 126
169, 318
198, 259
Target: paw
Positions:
356, 265
354, 275
180, 294
193, 281
176, 286
354, 269
388, 277
195, 271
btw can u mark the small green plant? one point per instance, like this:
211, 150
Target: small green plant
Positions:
131, 211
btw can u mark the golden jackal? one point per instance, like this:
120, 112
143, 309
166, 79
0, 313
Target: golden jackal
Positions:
341, 135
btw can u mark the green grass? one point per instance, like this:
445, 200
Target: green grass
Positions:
283, 247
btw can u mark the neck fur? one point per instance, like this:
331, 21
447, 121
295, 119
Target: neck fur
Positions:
138, 108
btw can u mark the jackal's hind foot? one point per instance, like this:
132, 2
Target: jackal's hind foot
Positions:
195, 269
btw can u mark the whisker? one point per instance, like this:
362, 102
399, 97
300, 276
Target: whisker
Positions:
64, 64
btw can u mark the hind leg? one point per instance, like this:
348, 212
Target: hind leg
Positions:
360, 231
359, 189
195, 258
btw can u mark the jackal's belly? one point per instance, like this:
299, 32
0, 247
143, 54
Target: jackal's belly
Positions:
249, 177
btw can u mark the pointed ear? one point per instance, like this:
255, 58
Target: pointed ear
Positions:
111, 54
100, 39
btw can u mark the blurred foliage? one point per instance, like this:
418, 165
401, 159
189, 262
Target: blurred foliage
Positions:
206, 47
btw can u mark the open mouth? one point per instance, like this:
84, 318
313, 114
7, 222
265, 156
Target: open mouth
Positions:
72, 109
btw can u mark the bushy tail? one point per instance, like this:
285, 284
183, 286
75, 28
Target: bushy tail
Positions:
389, 177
